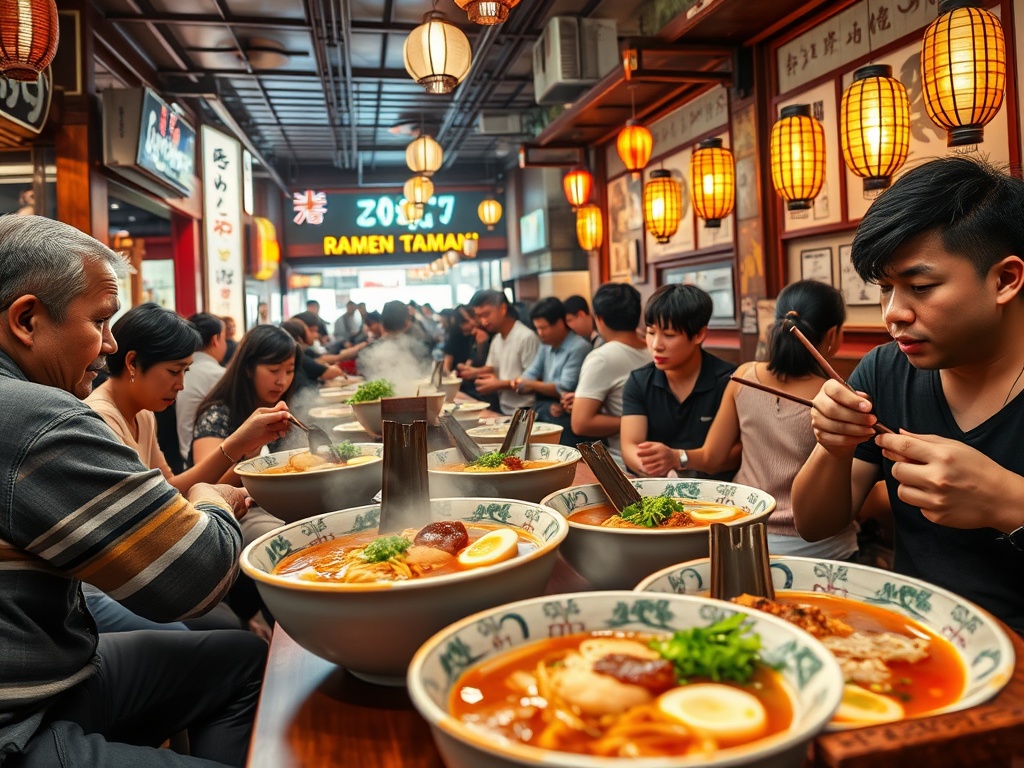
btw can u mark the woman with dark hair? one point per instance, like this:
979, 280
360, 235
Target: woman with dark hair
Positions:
776, 434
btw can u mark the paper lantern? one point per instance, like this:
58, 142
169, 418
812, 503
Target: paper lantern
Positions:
963, 70
28, 38
634, 146
437, 54
490, 212
797, 156
874, 125
410, 210
589, 227
577, 185
419, 190
470, 247
712, 182
663, 205
424, 156
487, 12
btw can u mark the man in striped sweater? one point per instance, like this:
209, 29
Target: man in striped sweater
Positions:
76, 505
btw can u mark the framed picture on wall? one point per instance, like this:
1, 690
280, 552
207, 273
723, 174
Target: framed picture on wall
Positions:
816, 264
855, 290
717, 280
637, 262
625, 222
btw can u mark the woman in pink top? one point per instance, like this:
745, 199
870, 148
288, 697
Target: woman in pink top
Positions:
775, 433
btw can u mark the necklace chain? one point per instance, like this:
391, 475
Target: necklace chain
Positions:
1012, 386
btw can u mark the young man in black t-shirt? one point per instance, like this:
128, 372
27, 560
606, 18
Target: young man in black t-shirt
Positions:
945, 244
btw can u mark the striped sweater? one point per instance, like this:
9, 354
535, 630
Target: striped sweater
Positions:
76, 504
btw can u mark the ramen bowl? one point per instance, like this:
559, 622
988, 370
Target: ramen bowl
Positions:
982, 646
524, 484
331, 415
450, 385
810, 675
495, 433
467, 413
296, 495
368, 413
618, 558
374, 628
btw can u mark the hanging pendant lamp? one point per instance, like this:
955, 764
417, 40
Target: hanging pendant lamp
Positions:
798, 156
424, 156
411, 211
470, 247
577, 184
489, 212
712, 182
963, 71
437, 54
419, 190
874, 125
487, 12
663, 205
589, 227
634, 145
29, 34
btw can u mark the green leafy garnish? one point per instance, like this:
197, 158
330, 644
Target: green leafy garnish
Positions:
373, 390
724, 651
344, 451
651, 511
385, 548
491, 460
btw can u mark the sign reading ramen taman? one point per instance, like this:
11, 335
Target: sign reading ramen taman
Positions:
358, 224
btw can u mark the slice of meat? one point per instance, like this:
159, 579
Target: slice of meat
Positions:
807, 617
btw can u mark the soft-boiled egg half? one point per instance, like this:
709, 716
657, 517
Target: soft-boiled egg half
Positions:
362, 460
864, 707
494, 547
722, 712
711, 514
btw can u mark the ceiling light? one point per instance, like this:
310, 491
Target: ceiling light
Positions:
634, 146
424, 155
577, 184
712, 182
663, 205
470, 247
437, 54
264, 53
589, 227
487, 12
489, 212
29, 39
874, 125
797, 154
419, 190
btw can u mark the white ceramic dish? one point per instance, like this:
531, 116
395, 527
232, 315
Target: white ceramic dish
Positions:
541, 433
368, 413
526, 484
466, 413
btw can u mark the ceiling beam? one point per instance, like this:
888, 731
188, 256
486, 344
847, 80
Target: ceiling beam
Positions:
208, 20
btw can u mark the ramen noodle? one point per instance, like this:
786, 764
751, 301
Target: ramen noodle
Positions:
695, 514
307, 462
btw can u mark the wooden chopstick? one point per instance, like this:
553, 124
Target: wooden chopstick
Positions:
832, 373
772, 391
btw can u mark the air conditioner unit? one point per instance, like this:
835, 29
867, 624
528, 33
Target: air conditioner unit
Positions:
570, 56
499, 123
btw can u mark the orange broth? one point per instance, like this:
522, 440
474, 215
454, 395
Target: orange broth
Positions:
527, 464
485, 690
597, 514
326, 554
921, 687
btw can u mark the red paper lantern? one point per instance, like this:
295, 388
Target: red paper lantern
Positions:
577, 184
28, 37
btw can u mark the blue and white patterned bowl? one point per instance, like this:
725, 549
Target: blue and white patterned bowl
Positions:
617, 558
297, 495
525, 484
374, 629
811, 672
983, 646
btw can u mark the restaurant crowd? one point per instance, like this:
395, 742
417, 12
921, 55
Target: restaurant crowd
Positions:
127, 487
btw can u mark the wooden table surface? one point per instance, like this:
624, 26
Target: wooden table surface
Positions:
314, 714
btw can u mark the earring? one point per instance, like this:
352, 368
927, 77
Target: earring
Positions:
131, 378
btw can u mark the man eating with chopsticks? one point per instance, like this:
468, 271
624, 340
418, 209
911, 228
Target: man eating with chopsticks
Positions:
946, 246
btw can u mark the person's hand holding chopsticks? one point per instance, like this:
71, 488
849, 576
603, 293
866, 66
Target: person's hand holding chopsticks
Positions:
841, 418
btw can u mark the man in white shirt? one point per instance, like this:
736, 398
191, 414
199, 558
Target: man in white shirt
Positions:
200, 377
513, 348
597, 407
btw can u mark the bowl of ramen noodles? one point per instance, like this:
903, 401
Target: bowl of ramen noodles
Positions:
367, 602
450, 385
604, 679
612, 552
466, 413
295, 484
495, 433
546, 469
906, 648
368, 412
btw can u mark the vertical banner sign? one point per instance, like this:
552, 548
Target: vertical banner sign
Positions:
222, 208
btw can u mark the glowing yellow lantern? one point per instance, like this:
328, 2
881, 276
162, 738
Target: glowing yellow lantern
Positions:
424, 156
470, 247
634, 146
410, 210
663, 205
490, 212
487, 12
589, 227
712, 182
874, 121
437, 54
577, 185
419, 190
798, 156
963, 70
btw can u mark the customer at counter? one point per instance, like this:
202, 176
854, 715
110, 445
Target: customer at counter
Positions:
668, 405
946, 245
79, 504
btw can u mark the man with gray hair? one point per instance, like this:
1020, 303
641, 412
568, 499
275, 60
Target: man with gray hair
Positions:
77, 504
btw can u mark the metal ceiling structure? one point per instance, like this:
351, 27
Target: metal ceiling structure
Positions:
318, 88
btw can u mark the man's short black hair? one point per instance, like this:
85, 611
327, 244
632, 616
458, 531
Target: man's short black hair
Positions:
488, 297
576, 304
312, 303
978, 211
395, 316
550, 309
618, 306
683, 308
209, 326
372, 317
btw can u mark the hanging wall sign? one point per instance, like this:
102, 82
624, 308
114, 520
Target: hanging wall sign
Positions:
166, 144
27, 104
222, 204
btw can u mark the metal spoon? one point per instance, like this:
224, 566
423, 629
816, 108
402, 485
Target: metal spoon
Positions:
320, 443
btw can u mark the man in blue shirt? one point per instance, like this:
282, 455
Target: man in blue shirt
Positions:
555, 370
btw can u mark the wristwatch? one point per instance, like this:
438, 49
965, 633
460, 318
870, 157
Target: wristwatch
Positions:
1015, 537
683, 458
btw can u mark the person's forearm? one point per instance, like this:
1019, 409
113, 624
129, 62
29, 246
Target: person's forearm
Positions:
598, 425
211, 468
822, 504
545, 389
